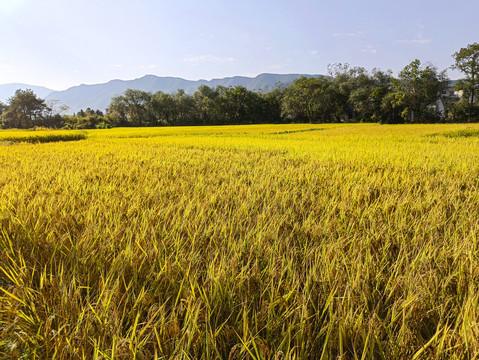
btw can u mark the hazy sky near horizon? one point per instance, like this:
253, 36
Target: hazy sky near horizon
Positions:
62, 43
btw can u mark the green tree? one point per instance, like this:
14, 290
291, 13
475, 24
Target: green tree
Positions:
344, 80
25, 110
88, 119
368, 97
185, 108
466, 60
3, 108
309, 100
359, 95
164, 108
240, 105
205, 98
55, 107
272, 101
417, 89
133, 108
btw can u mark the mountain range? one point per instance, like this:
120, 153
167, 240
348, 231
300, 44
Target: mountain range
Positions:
98, 96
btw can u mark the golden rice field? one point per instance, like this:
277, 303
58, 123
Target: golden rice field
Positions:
276, 242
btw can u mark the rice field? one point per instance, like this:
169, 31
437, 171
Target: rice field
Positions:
304, 241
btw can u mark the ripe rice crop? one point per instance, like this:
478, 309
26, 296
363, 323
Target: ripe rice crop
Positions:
242, 242
10, 137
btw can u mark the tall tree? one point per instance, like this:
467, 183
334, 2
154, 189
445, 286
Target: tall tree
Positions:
418, 88
164, 108
368, 97
25, 110
241, 106
344, 80
309, 100
206, 103
272, 101
133, 108
466, 60
3, 108
186, 108
55, 107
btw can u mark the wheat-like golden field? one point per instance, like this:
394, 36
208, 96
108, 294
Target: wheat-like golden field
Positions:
298, 241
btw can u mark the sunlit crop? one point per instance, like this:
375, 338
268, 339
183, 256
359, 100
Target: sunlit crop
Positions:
241, 242
10, 137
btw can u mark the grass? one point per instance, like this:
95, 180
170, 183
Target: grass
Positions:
36, 137
295, 131
353, 242
462, 133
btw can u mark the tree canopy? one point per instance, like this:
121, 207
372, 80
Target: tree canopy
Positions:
466, 60
24, 110
419, 93
417, 89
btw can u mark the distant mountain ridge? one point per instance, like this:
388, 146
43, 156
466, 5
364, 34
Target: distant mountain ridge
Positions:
98, 96
8, 90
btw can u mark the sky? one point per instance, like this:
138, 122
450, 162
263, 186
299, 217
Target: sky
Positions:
63, 43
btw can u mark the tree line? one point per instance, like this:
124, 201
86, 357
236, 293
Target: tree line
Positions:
419, 94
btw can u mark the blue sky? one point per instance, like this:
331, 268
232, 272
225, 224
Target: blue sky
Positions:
62, 43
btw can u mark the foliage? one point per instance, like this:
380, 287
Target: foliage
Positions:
24, 110
236, 242
369, 97
309, 100
272, 101
463, 111
177, 109
418, 88
88, 119
3, 108
206, 98
40, 136
466, 60
419, 94
461, 133
239, 105
132, 108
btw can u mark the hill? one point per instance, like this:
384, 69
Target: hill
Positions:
98, 96
8, 90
